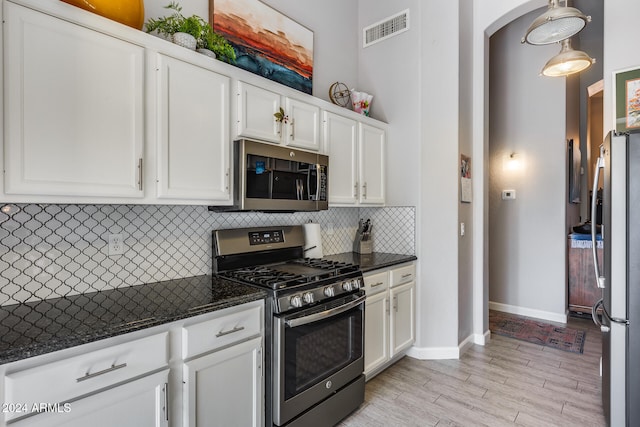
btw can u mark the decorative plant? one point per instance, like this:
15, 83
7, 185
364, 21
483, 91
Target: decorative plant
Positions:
280, 116
196, 26
167, 25
217, 44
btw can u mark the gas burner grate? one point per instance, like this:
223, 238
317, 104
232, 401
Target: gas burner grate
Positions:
292, 273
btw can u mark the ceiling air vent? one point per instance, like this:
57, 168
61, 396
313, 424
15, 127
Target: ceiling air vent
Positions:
386, 28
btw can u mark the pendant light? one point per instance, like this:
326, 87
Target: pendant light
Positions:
556, 24
567, 62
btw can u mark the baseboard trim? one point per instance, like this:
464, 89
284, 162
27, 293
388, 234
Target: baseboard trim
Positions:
434, 353
529, 312
482, 339
439, 353
465, 345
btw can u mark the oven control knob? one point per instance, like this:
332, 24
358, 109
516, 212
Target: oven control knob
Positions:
329, 291
347, 286
296, 301
307, 297
356, 283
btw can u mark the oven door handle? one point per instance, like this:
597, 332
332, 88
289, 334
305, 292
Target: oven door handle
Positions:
292, 323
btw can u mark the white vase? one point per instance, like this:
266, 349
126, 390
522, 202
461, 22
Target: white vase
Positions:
207, 52
185, 40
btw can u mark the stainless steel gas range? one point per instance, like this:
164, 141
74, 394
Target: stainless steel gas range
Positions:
314, 339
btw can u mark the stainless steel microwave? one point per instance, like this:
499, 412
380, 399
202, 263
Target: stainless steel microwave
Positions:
272, 178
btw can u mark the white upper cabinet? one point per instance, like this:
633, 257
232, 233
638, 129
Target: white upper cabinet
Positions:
96, 112
303, 127
340, 138
371, 149
255, 118
74, 113
356, 161
193, 132
256, 109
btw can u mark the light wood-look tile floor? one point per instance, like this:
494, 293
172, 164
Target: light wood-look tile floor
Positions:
504, 383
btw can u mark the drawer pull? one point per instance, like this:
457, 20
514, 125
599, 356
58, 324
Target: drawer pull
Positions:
232, 331
404, 276
113, 367
375, 285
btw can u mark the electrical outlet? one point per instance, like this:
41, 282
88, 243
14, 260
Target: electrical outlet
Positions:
116, 244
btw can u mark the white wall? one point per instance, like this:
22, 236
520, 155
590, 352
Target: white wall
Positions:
390, 70
488, 17
526, 235
465, 210
333, 24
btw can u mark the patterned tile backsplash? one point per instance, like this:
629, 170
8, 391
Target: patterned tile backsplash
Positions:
49, 251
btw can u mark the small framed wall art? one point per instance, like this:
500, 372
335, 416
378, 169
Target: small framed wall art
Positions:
266, 42
627, 99
465, 179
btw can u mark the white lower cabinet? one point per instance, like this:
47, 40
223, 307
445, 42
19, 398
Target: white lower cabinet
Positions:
389, 316
222, 372
376, 341
139, 403
224, 388
203, 371
402, 317
123, 384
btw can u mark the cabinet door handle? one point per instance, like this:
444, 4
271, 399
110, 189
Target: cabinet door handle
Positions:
113, 367
404, 276
293, 131
375, 285
364, 190
232, 331
355, 189
395, 303
166, 401
140, 174
226, 179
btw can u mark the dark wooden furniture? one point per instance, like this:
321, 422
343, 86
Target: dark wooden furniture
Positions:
583, 291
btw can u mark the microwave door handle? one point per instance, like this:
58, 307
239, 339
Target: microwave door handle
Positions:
600, 281
315, 195
318, 181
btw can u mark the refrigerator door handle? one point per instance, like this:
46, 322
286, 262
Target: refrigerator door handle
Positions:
594, 316
600, 280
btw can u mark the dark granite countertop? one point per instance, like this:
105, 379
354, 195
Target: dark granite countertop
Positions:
373, 261
40, 327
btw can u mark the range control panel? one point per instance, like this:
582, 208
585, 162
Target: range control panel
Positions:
266, 237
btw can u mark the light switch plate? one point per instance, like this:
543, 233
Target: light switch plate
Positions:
508, 194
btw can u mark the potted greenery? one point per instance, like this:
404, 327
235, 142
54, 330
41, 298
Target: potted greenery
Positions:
217, 44
191, 32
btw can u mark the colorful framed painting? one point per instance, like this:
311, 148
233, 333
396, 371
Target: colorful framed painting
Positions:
627, 100
266, 42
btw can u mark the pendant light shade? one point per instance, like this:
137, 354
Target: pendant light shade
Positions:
556, 24
567, 62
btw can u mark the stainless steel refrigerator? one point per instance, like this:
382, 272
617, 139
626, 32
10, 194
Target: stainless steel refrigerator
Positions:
619, 276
